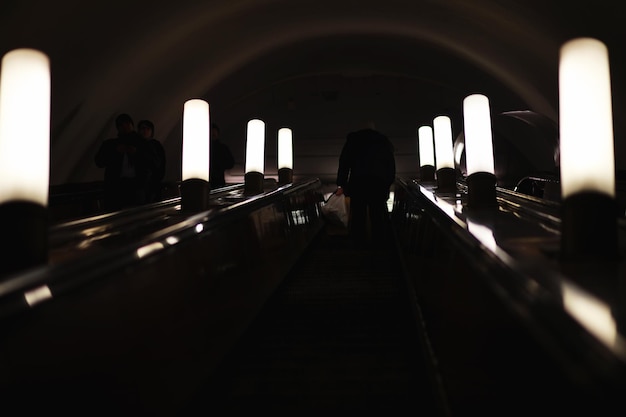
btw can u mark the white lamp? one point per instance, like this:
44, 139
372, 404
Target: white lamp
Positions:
24, 157
194, 190
255, 157
285, 156
587, 162
426, 153
479, 161
444, 154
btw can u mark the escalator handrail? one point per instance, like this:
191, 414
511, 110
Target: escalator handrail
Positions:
63, 277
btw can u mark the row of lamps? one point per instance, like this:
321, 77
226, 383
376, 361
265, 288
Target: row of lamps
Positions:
25, 101
195, 185
589, 219
436, 153
587, 161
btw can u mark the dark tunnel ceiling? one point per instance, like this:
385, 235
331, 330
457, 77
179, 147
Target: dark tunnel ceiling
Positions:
329, 64
415, 79
406, 59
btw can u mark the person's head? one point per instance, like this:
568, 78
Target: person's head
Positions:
124, 123
146, 129
215, 131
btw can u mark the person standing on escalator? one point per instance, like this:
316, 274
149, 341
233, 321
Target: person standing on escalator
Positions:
127, 160
157, 172
366, 172
220, 159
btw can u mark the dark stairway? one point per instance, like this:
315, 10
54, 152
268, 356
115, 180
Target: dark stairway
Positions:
339, 334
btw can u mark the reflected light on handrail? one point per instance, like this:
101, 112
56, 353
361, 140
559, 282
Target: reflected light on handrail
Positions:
299, 217
591, 312
37, 295
483, 234
148, 249
88, 241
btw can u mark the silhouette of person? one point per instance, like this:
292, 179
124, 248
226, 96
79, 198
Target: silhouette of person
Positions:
220, 160
366, 171
157, 171
126, 160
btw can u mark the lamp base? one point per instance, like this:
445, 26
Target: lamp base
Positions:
285, 176
481, 190
589, 228
194, 195
427, 173
24, 226
446, 180
253, 183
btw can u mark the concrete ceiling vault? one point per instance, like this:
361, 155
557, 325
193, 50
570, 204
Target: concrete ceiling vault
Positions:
319, 67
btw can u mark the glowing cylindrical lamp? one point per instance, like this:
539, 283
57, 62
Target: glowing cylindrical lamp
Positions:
587, 162
479, 161
426, 150
444, 154
255, 157
194, 189
285, 156
24, 157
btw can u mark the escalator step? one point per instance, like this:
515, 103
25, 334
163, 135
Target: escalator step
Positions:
338, 335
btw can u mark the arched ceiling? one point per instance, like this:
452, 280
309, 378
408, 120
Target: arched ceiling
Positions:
317, 66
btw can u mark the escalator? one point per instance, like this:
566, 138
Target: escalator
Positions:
339, 334
257, 305
134, 309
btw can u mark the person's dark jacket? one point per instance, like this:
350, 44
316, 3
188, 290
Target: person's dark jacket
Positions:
221, 159
157, 171
367, 164
121, 189
111, 158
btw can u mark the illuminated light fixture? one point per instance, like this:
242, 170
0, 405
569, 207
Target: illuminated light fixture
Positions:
426, 150
194, 189
24, 158
587, 162
444, 154
255, 157
285, 156
479, 161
